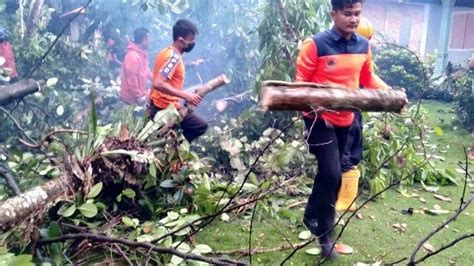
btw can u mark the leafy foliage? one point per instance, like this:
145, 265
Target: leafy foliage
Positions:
400, 68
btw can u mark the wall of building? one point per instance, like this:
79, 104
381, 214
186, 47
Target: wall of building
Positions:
413, 25
401, 23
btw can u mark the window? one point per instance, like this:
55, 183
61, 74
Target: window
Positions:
462, 31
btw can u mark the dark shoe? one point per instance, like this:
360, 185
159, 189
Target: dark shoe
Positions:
326, 251
312, 225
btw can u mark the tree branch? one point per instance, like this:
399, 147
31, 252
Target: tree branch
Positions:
452, 243
18, 90
289, 30
461, 208
10, 179
48, 136
40, 61
144, 245
18, 126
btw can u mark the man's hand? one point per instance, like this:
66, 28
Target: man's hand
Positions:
193, 98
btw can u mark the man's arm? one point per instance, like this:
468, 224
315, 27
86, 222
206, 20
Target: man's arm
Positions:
368, 78
160, 82
306, 62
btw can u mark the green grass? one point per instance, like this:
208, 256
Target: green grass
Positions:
372, 239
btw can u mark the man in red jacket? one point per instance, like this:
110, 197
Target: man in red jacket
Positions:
135, 70
338, 57
6, 52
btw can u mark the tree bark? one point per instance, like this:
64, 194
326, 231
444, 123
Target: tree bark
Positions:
17, 91
35, 14
307, 98
15, 210
209, 86
32, 203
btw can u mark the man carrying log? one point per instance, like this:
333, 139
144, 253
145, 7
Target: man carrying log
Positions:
168, 80
338, 57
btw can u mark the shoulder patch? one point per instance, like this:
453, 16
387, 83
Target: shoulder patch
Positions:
170, 65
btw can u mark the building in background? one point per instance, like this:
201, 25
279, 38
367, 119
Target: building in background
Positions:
426, 26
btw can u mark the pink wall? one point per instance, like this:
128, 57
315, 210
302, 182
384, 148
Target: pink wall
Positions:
390, 18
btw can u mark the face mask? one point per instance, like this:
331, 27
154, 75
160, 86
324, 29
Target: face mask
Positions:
189, 46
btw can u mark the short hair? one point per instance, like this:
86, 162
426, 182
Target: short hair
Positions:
182, 28
139, 34
341, 4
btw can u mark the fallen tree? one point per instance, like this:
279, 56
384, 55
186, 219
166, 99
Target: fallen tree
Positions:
276, 95
18, 90
79, 175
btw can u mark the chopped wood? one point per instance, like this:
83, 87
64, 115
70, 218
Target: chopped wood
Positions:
308, 97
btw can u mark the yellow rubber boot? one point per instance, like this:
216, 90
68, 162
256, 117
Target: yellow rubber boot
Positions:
348, 191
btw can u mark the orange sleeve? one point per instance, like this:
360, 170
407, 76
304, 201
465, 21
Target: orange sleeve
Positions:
368, 78
167, 63
307, 61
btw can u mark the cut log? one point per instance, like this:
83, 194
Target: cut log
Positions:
17, 91
274, 96
202, 91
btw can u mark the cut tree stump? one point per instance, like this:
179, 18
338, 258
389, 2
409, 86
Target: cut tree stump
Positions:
302, 96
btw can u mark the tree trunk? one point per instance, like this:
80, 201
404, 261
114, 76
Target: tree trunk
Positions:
34, 202
301, 97
17, 91
209, 86
35, 14
17, 209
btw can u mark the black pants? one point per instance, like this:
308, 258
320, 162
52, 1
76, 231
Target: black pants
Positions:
328, 143
192, 125
353, 153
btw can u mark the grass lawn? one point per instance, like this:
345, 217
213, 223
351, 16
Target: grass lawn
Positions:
373, 237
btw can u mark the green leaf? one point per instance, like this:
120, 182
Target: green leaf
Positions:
60, 110
89, 210
202, 249
152, 170
100, 205
69, 211
145, 238
305, 235
168, 184
253, 179
54, 230
313, 251
95, 190
129, 193
438, 131
128, 221
51, 82
225, 217
23, 260
175, 260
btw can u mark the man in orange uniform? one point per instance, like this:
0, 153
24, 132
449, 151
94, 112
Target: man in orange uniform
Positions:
168, 79
135, 70
338, 57
6, 52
